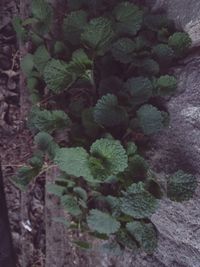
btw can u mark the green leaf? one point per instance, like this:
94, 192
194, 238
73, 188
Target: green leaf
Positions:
102, 222
107, 111
137, 202
71, 205
149, 67
74, 161
163, 53
131, 148
48, 121
19, 29
181, 186
43, 140
150, 119
40, 58
166, 84
55, 189
125, 240
27, 64
137, 167
140, 88
57, 76
180, 42
145, 234
82, 244
98, 35
81, 192
112, 248
123, 49
73, 26
112, 153
128, 17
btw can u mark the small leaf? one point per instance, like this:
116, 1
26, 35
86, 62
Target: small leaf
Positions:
163, 53
71, 205
144, 234
55, 189
80, 192
27, 64
137, 202
131, 149
123, 49
140, 88
107, 111
98, 35
112, 153
102, 222
180, 42
128, 17
137, 167
181, 186
40, 58
82, 244
150, 119
166, 84
73, 26
74, 161
149, 67
58, 76
125, 240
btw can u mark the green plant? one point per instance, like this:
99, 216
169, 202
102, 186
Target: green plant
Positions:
95, 82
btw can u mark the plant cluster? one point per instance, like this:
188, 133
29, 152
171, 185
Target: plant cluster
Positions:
96, 85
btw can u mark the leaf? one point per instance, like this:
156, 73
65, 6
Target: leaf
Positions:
55, 189
40, 58
107, 111
149, 67
137, 202
74, 161
48, 121
71, 205
82, 244
163, 53
181, 186
125, 240
166, 84
80, 192
24, 176
137, 167
131, 148
27, 64
180, 42
112, 153
98, 35
102, 222
19, 29
73, 26
112, 248
145, 235
58, 76
150, 119
128, 17
140, 88
123, 49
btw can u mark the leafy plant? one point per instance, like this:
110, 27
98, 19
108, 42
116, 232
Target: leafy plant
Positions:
93, 85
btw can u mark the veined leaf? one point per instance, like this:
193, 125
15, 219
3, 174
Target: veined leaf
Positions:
166, 84
98, 35
74, 161
71, 205
181, 186
73, 26
40, 58
145, 234
150, 119
102, 222
128, 17
107, 111
123, 49
137, 202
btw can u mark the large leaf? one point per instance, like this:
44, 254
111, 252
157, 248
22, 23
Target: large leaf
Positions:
107, 111
73, 26
144, 234
137, 202
123, 49
74, 161
181, 186
112, 154
98, 35
150, 118
140, 88
58, 76
128, 17
41, 57
102, 222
